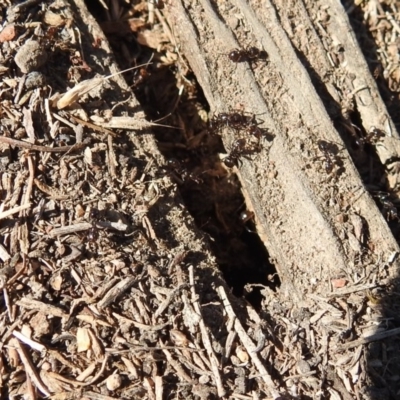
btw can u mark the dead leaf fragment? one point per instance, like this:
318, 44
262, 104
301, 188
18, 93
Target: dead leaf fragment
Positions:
52, 383
96, 345
3, 69
150, 38
13, 357
83, 339
88, 156
78, 91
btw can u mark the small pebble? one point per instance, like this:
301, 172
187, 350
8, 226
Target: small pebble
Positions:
34, 79
30, 56
113, 382
8, 33
303, 367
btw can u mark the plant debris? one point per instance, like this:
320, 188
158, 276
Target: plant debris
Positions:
110, 288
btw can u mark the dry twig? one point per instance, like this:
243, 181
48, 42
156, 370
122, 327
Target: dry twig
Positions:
248, 344
205, 337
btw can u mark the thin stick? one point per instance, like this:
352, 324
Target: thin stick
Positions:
35, 147
82, 384
66, 230
352, 289
14, 210
248, 344
31, 343
93, 126
206, 339
369, 339
8, 305
28, 192
29, 367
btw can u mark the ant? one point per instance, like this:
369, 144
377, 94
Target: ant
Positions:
329, 151
388, 208
95, 215
257, 132
247, 218
234, 120
93, 233
238, 149
140, 76
237, 120
372, 137
251, 54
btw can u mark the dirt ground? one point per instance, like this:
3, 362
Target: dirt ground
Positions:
220, 220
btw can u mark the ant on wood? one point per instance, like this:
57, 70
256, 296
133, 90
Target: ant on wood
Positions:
372, 137
233, 120
239, 148
251, 54
258, 133
330, 153
237, 120
389, 210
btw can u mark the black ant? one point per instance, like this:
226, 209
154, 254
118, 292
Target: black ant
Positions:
237, 120
246, 216
234, 120
259, 133
239, 149
92, 234
251, 54
372, 136
95, 215
330, 151
389, 210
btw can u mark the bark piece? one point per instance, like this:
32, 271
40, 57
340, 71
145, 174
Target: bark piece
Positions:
299, 212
